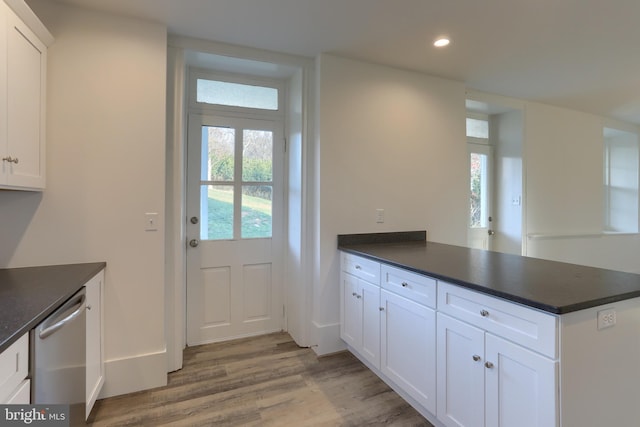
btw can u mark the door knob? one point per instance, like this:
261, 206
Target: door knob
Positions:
194, 243
194, 220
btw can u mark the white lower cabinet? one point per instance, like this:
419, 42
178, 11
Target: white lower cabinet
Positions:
484, 380
409, 347
95, 347
14, 368
360, 326
460, 373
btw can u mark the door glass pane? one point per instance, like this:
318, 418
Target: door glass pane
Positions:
256, 211
477, 128
217, 153
236, 94
217, 212
257, 156
478, 191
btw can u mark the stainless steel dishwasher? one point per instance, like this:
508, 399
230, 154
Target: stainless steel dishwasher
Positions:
58, 368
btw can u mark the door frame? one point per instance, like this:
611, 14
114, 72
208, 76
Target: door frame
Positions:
297, 265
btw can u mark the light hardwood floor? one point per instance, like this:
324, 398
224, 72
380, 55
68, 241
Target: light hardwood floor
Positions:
262, 381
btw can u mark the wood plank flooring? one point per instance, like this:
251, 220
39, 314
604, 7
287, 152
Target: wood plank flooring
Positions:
262, 381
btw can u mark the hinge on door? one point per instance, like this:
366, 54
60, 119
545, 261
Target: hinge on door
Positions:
285, 145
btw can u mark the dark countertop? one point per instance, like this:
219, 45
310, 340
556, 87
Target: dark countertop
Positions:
554, 287
30, 294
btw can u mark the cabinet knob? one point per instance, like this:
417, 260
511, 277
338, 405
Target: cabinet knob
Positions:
488, 365
404, 284
484, 313
358, 267
476, 358
354, 294
358, 296
381, 308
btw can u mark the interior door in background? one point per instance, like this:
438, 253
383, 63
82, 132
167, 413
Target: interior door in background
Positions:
480, 230
234, 228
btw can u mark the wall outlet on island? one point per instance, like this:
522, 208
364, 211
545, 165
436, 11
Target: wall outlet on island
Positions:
606, 318
379, 215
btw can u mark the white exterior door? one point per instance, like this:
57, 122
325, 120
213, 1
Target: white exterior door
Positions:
480, 231
234, 228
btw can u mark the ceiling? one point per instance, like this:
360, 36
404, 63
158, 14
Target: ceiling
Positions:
579, 54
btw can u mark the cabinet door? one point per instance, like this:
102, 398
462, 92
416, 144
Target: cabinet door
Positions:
460, 373
351, 322
408, 347
95, 350
26, 77
370, 322
520, 386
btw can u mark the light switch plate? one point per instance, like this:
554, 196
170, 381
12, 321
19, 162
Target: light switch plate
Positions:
151, 221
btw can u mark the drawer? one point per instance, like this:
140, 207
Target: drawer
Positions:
14, 367
525, 326
416, 287
363, 268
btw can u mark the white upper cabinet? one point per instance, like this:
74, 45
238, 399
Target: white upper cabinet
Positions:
23, 65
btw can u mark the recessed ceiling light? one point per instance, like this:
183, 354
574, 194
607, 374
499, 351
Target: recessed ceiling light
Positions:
441, 42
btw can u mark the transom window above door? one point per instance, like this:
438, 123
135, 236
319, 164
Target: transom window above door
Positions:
231, 93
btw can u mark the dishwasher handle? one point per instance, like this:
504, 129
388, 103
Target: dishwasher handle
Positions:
79, 301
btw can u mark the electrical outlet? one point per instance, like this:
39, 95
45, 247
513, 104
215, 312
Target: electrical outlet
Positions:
606, 318
379, 215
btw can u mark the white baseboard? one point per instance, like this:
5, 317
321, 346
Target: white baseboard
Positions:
134, 373
327, 339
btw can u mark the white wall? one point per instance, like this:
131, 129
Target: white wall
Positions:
508, 129
388, 139
563, 155
105, 169
564, 190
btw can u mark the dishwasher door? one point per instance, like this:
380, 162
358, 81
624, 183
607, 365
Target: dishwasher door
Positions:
58, 368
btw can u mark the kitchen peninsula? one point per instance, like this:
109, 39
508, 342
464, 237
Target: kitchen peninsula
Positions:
479, 338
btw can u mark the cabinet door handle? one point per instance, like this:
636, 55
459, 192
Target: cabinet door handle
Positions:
358, 267
358, 296
488, 365
10, 160
484, 313
476, 358
381, 308
404, 284
354, 294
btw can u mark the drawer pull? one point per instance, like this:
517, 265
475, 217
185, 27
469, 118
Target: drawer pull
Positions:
476, 358
358, 267
489, 365
484, 313
404, 284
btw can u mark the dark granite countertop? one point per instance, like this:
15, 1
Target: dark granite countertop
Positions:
30, 294
554, 287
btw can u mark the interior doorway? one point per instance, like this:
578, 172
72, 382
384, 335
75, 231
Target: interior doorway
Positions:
503, 119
